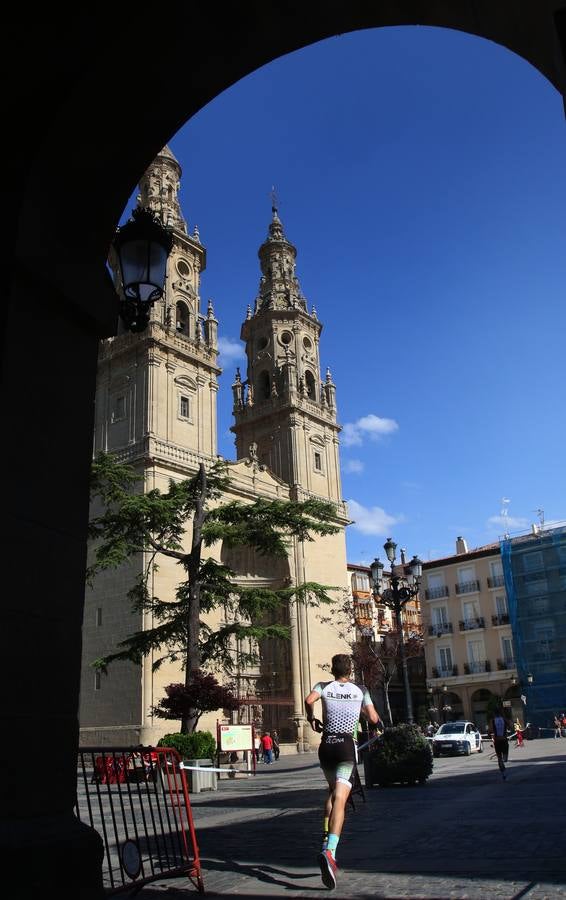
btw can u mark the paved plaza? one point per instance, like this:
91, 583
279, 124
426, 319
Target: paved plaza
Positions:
465, 834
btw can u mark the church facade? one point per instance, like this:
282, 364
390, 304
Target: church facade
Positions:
156, 409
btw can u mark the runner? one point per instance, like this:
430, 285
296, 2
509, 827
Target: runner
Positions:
342, 703
498, 734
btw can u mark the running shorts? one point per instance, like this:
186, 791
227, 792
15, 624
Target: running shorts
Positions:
337, 754
501, 746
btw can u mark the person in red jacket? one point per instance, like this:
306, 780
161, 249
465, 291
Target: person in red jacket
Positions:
267, 744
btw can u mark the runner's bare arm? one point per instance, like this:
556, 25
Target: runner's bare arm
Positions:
310, 701
371, 714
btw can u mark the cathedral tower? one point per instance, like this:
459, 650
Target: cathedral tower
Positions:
156, 392
283, 408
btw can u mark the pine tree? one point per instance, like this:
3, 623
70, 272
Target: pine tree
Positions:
155, 523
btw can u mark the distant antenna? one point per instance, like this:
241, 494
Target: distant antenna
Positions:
540, 514
505, 501
274, 200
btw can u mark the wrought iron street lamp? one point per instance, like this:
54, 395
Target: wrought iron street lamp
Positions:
404, 585
142, 246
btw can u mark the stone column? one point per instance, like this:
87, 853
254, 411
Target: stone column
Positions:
47, 405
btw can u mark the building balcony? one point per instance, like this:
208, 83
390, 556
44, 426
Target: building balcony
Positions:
467, 587
441, 672
472, 624
437, 592
477, 666
440, 628
496, 582
504, 664
500, 619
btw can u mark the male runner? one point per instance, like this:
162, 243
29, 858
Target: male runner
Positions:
498, 732
342, 703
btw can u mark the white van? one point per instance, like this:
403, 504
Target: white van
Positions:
457, 737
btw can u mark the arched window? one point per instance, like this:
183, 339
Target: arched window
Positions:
183, 318
263, 386
310, 385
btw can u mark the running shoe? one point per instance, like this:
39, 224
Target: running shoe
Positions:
328, 869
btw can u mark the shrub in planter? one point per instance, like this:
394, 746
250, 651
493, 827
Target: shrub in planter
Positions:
197, 745
402, 755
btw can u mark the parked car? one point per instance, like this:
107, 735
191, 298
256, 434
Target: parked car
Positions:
457, 737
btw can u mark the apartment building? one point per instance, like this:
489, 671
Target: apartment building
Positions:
469, 647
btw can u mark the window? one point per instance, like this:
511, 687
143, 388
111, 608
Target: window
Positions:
501, 604
539, 604
360, 582
439, 615
97, 680
99, 616
544, 637
182, 319
507, 648
471, 611
263, 386
119, 410
496, 569
445, 659
317, 461
533, 562
184, 407
310, 385
534, 585
183, 268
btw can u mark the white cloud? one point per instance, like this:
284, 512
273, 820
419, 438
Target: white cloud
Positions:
230, 350
371, 426
371, 520
353, 466
507, 522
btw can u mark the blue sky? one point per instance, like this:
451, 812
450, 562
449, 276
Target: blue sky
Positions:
420, 174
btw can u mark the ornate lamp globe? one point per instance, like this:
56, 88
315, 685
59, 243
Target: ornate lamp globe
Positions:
142, 247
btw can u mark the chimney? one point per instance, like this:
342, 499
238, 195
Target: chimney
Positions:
461, 546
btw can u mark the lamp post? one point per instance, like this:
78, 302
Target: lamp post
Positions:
142, 246
404, 586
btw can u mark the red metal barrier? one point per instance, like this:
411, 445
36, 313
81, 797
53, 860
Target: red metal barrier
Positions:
137, 799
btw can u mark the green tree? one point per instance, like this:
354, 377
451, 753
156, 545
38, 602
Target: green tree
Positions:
155, 524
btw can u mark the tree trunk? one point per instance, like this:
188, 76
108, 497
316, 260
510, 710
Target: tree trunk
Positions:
189, 722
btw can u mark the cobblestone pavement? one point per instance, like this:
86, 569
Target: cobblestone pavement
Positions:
465, 834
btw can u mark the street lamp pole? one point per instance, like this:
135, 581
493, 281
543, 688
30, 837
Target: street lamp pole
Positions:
404, 586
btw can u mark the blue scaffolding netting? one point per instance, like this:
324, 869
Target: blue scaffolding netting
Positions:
534, 568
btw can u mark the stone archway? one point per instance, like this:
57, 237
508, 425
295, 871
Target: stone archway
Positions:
479, 707
516, 709
77, 161
452, 708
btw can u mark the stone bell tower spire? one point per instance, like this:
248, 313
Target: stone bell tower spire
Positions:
283, 406
159, 189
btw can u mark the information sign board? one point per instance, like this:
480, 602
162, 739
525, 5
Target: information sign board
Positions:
235, 737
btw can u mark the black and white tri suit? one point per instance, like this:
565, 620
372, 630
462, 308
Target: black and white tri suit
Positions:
341, 706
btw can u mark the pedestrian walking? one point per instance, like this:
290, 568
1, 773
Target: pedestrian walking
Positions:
276, 748
557, 726
519, 732
342, 703
498, 733
257, 748
267, 746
